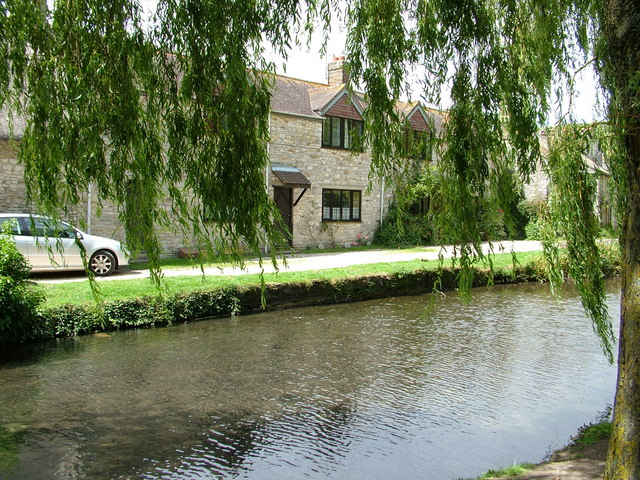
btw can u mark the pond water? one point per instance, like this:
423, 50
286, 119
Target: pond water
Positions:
397, 388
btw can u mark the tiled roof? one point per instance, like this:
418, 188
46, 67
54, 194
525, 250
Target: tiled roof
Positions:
292, 96
289, 95
321, 96
301, 97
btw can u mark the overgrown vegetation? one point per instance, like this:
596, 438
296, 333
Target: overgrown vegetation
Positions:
147, 311
415, 217
19, 300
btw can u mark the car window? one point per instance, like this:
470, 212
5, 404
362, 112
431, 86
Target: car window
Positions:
43, 227
15, 224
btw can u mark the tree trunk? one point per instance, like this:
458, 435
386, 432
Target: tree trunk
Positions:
622, 72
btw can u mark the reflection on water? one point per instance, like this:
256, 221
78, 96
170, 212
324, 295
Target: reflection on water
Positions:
381, 389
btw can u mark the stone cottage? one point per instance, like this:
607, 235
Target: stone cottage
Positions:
537, 189
318, 176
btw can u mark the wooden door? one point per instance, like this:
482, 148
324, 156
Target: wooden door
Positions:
284, 201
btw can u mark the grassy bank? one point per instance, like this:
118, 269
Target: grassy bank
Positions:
71, 309
78, 293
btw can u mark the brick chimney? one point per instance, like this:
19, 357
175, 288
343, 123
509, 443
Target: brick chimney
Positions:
338, 71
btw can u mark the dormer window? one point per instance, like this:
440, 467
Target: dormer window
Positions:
342, 133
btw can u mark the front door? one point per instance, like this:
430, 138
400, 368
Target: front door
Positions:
284, 201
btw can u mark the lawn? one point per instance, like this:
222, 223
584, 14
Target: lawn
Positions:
80, 292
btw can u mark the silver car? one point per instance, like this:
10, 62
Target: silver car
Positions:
51, 245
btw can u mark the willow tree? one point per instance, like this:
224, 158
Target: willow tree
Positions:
169, 122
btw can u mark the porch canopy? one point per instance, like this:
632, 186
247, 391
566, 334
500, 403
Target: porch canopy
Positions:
290, 177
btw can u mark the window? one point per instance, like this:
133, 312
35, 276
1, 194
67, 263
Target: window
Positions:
341, 205
14, 224
44, 227
342, 133
416, 144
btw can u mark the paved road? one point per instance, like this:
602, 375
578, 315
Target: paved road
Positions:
301, 262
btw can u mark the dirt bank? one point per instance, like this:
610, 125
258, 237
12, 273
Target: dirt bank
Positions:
576, 462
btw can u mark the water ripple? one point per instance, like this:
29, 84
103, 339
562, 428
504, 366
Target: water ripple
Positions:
372, 390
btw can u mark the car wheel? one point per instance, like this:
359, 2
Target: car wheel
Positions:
102, 263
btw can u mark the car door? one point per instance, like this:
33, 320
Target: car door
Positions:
51, 240
19, 234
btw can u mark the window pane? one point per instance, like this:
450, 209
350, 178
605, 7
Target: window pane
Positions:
336, 124
346, 205
347, 133
40, 228
326, 131
326, 204
341, 205
356, 129
335, 205
356, 205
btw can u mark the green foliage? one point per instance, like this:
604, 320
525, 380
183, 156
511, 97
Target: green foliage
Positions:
9, 447
12, 263
147, 311
532, 230
71, 320
204, 304
571, 196
590, 434
19, 300
401, 229
189, 148
418, 216
512, 471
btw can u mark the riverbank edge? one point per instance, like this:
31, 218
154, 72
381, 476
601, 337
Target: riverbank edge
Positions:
580, 459
155, 311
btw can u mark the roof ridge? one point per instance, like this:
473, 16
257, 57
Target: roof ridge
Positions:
286, 77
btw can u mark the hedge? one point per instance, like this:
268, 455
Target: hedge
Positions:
150, 311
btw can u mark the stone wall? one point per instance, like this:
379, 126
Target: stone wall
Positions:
103, 219
296, 141
13, 195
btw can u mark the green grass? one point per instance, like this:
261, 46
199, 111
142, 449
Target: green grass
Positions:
511, 471
590, 434
176, 262
80, 292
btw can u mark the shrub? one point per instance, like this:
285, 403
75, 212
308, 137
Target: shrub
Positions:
19, 299
404, 229
193, 305
531, 211
70, 320
532, 230
145, 311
